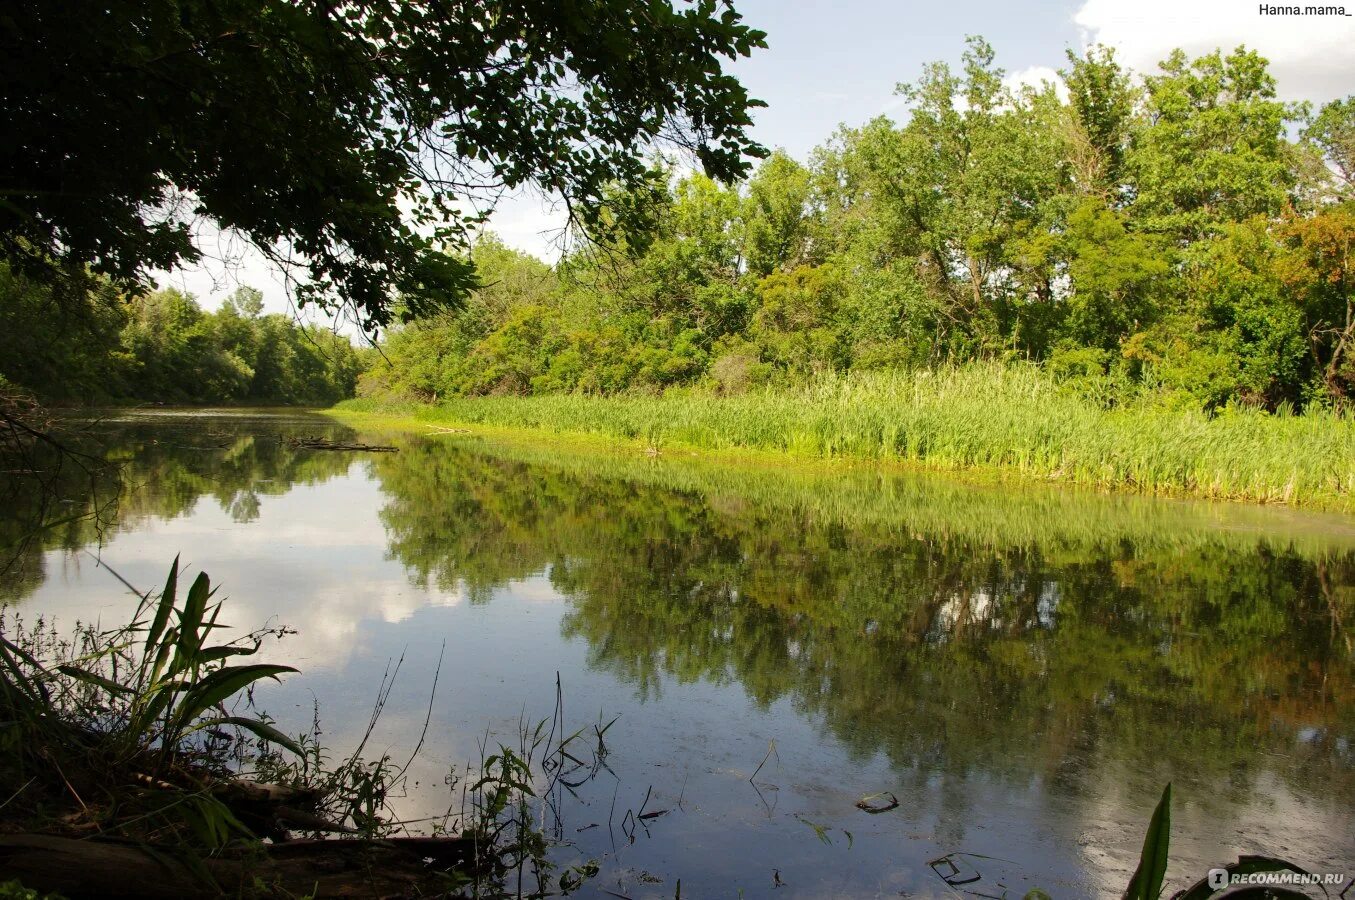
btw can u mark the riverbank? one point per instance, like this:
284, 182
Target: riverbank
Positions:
1009, 421
944, 507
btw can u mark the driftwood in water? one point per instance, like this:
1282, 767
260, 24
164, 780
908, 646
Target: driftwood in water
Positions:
323, 444
103, 868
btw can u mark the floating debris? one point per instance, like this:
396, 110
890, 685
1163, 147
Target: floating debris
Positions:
878, 803
323, 444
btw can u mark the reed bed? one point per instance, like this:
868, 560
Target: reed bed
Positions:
1006, 418
1030, 515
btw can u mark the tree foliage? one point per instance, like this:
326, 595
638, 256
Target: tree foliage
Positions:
1164, 236
1333, 131
163, 347
350, 137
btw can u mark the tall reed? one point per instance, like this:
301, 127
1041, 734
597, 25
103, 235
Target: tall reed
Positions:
1009, 418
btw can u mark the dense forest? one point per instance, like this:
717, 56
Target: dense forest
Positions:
1184, 235
103, 345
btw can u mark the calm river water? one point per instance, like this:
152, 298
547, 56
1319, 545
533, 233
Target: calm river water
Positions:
1023, 668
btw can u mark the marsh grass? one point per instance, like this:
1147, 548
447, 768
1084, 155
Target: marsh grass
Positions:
1010, 419
937, 507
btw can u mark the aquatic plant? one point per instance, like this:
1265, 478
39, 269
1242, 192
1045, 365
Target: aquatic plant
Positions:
1152, 868
142, 705
147, 733
1008, 418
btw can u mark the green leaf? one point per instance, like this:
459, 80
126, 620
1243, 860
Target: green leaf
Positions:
190, 620
154, 701
165, 606
212, 820
1147, 881
21, 653
97, 680
30, 683
32, 687
259, 727
213, 654
224, 683
162, 655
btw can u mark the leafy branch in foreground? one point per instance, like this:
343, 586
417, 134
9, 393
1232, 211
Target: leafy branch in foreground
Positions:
351, 143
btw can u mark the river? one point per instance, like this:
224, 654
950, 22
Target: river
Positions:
1023, 668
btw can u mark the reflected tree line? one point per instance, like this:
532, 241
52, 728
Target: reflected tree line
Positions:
948, 652
119, 473
955, 630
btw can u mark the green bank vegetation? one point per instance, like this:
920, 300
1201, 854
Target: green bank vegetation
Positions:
1013, 418
949, 507
1162, 239
104, 345
1146, 284
137, 753
1139, 283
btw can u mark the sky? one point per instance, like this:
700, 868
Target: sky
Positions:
829, 64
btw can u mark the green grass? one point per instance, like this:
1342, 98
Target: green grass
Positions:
937, 507
1009, 419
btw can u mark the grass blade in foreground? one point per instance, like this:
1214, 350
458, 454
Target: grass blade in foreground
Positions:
1147, 881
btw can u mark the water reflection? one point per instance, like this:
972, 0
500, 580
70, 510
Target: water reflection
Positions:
1024, 668
1081, 660
163, 465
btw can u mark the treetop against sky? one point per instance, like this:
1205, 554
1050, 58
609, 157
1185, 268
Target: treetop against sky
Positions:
829, 66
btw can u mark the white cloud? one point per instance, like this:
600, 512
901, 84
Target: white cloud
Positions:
1035, 77
1312, 57
529, 222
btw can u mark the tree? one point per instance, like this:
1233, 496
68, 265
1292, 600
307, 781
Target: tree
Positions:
962, 190
61, 350
1214, 150
1318, 268
776, 215
353, 137
244, 301
1111, 269
1334, 132
162, 346
1102, 102
160, 338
